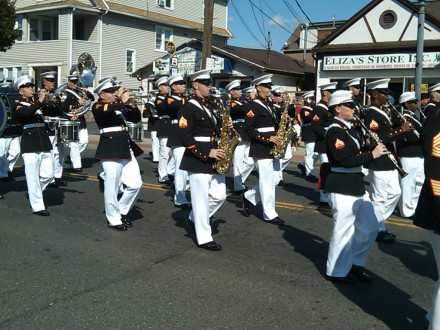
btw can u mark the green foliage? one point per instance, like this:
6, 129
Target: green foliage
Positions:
8, 34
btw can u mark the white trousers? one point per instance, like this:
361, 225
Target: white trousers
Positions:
76, 148
411, 185
38, 168
384, 193
208, 192
155, 146
283, 164
433, 315
310, 157
264, 190
166, 165
116, 173
58, 153
242, 165
180, 177
9, 154
355, 228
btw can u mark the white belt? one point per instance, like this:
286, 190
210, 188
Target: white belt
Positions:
357, 169
112, 129
174, 121
33, 125
202, 138
164, 117
266, 129
235, 121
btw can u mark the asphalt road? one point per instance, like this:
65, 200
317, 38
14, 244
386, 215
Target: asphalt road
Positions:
70, 271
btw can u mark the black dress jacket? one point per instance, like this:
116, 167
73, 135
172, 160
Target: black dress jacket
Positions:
410, 146
307, 134
173, 104
321, 119
164, 122
115, 141
237, 115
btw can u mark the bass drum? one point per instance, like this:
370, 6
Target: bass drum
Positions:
4, 113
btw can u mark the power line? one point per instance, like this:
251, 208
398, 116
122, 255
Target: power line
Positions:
299, 20
306, 15
245, 25
256, 21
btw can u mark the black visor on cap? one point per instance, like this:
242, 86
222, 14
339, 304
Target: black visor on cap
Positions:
50, 79
27, 85
179, 82
205, 82
349, 104
267, 85
384, 91
110, 90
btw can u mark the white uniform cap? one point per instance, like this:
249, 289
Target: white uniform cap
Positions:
308, 95
175, 78
339, 97
72, 77
407, 96
329, 86
378, 84
48, 75
266, 79
161, 81
106, 84
201, 75
232, 84
277, 89
22, 81
434, 88
351, 82
250, 89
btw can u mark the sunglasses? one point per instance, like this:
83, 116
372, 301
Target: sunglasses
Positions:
206, 83
236, 89
266, 85
383, 91
110, 90
180, 82
350, 105
50, 79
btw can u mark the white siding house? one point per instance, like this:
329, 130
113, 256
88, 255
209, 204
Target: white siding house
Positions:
120, 36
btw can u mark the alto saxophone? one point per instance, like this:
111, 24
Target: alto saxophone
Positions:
229, 139
284, 133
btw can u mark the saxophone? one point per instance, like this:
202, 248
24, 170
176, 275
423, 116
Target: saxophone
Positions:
229, 139
285, 133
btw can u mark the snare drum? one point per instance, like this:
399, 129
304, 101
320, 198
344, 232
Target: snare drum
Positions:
136, 131
68, 131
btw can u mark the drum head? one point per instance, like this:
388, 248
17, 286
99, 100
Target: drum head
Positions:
4, 112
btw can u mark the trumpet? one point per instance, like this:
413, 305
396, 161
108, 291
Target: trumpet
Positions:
373, 136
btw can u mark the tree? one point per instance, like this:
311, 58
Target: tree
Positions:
8, 34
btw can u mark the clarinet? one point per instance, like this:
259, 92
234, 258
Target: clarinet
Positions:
402, 118
373, 136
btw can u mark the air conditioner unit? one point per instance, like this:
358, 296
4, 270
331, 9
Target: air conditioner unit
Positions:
161, 3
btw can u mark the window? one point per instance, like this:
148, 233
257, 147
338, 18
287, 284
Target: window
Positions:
78, 30
42, 29
163, 35
19, 26
168, 4
388, 19
130, 60
10, 73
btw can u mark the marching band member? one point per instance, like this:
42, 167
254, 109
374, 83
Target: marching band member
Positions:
165, 167
383, 176
36, 146
198, 132
410, 152
321, 118
10, 148
260, 125
308, 137
173, 104
117, 152
355, 225
434, 100
150, 115
75, 100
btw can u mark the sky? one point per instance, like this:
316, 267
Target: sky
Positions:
251, 20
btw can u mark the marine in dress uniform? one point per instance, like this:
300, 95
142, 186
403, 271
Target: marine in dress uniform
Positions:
383, 176
321, 118
308, 137
173, 103
355, 225
434, 100
36, 146
198, 131
165, 167
75, 99
117, 152
410, 152
242, 167
427, 214
150, 114
261, 125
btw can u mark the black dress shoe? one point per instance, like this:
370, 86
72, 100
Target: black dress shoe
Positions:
77, 170
302, 168
385, 237
311, 178
277, 221
246, 207
349, 279
183, 206
101, 183
53, 184
42, 213
126, 221
61, 182
211, 246
2, 197
190, 225
360, 273
121, 227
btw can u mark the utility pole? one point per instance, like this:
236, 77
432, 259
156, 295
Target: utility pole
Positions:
269, 44
207, 31
305, 26
419, 56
